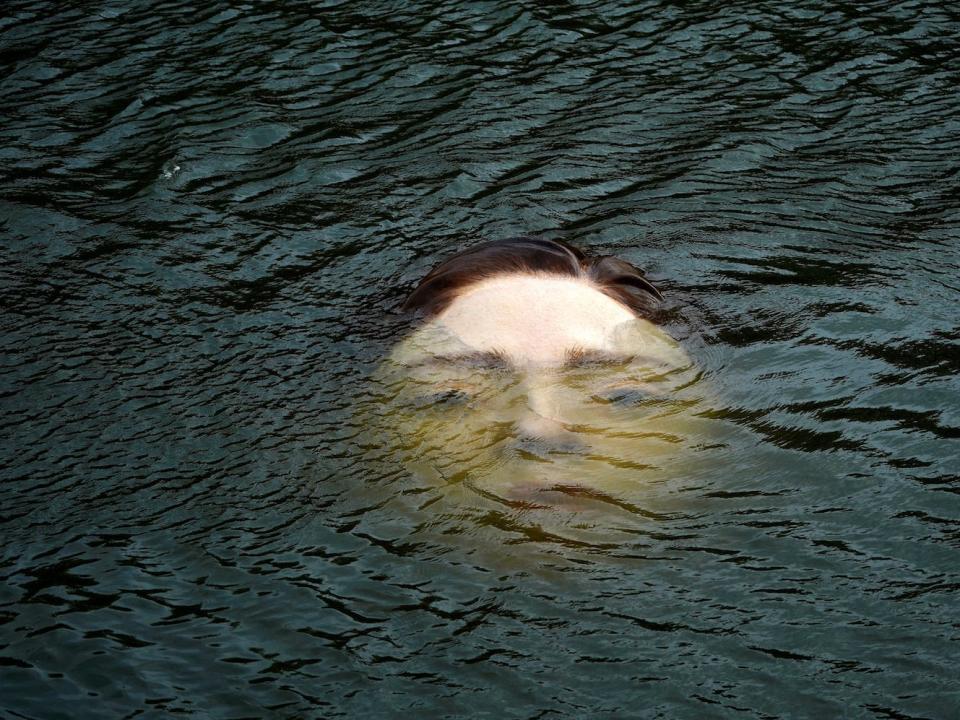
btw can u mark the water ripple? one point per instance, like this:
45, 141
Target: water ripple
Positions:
210, 216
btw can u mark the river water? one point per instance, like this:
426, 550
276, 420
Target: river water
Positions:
210, 214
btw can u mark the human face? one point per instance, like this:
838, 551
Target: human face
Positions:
528, 385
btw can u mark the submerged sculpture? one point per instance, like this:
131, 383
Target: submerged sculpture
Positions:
535, 374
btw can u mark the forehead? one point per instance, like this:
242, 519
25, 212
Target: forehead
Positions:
535, 320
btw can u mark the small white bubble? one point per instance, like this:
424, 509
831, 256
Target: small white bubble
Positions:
168, 170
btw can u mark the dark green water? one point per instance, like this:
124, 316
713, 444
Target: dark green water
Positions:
209, 215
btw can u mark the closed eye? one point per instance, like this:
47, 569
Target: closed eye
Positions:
624, 396
444, 398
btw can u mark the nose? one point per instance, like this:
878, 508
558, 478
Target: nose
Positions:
542, 420
532, 425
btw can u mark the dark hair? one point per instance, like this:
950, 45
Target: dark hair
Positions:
616, 278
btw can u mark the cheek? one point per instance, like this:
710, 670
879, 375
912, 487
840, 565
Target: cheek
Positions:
446, 423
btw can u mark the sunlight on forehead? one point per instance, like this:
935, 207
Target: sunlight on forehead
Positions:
534, 319
537, 320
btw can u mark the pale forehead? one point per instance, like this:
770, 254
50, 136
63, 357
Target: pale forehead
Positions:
536, 320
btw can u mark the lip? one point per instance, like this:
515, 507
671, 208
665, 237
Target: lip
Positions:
543, 450
537, 495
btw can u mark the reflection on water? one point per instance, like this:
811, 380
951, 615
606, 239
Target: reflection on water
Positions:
209, 216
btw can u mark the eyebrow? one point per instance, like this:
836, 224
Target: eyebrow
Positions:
498, 360
491, 359
577, 357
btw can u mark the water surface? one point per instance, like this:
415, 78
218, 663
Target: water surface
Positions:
209, 216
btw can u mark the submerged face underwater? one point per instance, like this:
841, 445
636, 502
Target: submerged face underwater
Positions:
533, 387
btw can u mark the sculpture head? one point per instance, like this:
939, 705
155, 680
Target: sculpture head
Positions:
534, 370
